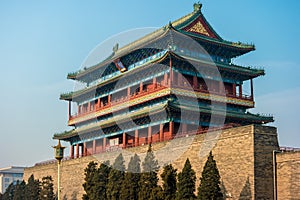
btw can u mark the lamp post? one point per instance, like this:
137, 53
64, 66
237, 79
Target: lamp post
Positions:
59, 155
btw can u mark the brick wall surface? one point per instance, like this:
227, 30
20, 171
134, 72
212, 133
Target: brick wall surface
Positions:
243, 156
265, 141
288, 175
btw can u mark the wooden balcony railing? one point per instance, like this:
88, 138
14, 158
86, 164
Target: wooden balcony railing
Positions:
149, 90
205, 90
154, 88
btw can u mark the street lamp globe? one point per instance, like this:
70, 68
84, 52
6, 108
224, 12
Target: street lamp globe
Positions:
59, 151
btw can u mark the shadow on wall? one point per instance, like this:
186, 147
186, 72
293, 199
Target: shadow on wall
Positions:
246, 191
73, 196
224, 191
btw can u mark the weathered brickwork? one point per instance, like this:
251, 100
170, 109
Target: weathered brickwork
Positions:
243, 156
265, 141
288, 175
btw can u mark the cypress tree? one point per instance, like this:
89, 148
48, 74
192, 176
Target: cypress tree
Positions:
169, 182
89, 184
115, 179
101, 180
186, 182
47, 188
130, 186
209, 187
32, 189
9, 192
149, 179
19, 193
157, 194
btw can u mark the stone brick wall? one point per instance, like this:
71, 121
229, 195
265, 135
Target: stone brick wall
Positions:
265, 141
243, 156
288, 175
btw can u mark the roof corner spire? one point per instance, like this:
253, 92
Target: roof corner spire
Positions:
116, 48
170, 26
197, 6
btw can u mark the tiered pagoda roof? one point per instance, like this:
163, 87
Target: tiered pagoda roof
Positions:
149, 52
194, 25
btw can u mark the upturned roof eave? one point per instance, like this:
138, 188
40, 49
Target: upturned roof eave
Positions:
120, 53
107, 123
70, 95
177, 25
246, 70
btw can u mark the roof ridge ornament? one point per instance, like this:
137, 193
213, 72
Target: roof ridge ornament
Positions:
170, 26
116, 47
197, 6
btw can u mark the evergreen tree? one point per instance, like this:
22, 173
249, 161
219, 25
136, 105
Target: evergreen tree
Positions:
47, 188
130, 186
1, 196
115, 179
101, 180
186, 182
19, 193
157, 194
32, 189
209, 187
9, 192
149, 179
169, 182
89, 184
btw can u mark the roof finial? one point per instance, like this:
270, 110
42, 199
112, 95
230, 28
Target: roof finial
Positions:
116, 47
170, 25
197, 6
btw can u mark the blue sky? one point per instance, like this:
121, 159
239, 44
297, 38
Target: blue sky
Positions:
41, 41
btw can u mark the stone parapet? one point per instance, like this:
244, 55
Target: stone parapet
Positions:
243, 156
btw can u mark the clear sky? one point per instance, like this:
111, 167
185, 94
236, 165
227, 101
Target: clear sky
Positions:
41, 41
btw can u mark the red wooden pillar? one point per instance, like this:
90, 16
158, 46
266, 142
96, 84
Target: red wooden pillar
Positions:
104, 144
79, 109
141, 86
136, 137
234, 89
171, 128
89, 107
154, 82
149, 134
124, 140
128, 92
195, 82
77, 150
165, 79
72, 151
84, 149
99, 103
161, 132
109, 99
251, 86
241, 91
94, 146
